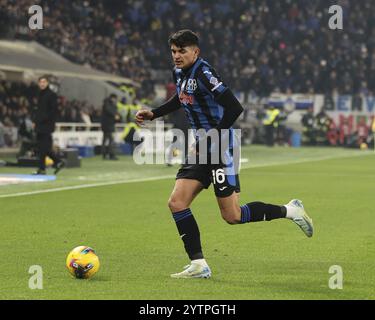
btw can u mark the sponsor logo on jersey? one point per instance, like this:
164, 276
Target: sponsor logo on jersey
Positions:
185, 98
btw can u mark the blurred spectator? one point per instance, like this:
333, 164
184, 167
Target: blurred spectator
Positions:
18, 99
26, 136
282, 132
2, 134
322, 125
270, 123
109, 117
309, 132
85, 116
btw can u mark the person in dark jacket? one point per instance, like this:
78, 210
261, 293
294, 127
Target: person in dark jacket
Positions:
44, 119
309, 130
109, 117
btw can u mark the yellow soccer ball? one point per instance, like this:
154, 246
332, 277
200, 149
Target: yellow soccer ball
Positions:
82, 262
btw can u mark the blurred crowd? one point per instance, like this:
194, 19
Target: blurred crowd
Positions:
320, 129
269, 125
18, 99
259, 45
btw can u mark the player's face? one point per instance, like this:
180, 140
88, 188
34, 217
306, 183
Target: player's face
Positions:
43, 83
184, 57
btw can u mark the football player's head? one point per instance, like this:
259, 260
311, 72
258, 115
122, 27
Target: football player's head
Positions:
184, 47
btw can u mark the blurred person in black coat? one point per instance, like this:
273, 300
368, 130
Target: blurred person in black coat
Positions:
109, 117
44, 118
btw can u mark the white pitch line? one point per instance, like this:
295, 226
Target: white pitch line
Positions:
83, 186
304, 160
110, 183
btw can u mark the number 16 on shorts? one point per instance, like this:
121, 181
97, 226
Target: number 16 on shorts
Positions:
224, 184
218, 176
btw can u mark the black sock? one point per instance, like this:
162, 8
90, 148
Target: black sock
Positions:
189, 233
259, 211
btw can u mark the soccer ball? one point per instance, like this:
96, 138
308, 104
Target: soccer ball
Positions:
82, 262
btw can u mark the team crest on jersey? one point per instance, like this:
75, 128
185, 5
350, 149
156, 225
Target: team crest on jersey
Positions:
214, 81
191, 85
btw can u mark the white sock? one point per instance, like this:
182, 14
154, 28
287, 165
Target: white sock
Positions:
291, 212
200, 261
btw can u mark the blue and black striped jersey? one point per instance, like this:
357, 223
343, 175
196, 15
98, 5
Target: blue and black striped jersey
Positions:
197, 89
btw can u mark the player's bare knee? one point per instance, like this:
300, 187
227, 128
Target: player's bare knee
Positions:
176, 205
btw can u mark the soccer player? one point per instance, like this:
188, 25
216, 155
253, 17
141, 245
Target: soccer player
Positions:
210, 105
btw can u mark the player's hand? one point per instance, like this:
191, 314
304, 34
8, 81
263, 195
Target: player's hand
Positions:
143, 115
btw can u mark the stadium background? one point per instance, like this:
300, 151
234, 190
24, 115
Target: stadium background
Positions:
279, 54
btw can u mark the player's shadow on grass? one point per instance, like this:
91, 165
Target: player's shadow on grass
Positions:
94, 279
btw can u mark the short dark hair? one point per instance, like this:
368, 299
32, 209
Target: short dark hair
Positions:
184, 38
43, 77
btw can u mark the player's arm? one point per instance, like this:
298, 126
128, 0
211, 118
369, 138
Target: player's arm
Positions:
171, 105
232, 109
214, 86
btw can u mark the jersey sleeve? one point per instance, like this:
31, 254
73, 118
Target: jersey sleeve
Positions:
211, 81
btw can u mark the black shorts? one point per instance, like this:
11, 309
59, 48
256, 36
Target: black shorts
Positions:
224, 184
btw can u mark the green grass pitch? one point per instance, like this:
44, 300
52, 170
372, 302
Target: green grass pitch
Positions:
130, 227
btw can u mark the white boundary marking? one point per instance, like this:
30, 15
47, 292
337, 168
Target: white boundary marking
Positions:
84, 186
111, 183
